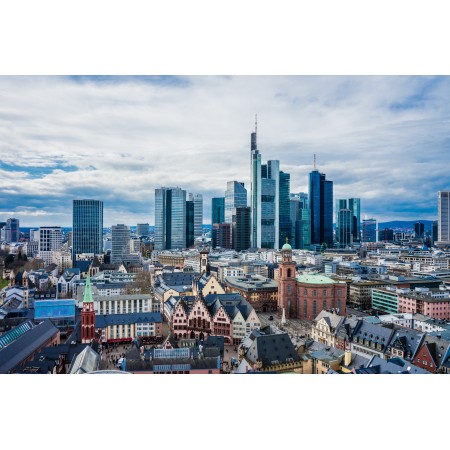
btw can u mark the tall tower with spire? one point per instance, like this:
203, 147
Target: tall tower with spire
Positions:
87, 314
255, 200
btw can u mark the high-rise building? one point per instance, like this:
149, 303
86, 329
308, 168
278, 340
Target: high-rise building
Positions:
434, 232
285, 224
443, 218
170, 218
235, 196
303, 230
87, 229
143, 229
339, 204
12, 230
386, 235
190, 223
221, 235
255, 196
369, 230
50, 240
198, 214
344, 227
354, 205
321, 207
218, 209
241, 228
120, 243
419, 229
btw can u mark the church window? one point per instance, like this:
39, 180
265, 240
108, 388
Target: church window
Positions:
289, 273
289, 289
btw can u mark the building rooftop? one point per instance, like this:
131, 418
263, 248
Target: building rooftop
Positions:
316, 279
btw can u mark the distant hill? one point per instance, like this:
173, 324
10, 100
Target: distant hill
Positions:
404, 224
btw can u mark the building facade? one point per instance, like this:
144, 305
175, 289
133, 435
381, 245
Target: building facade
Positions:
50, 240
235, 196
218, 210
120, 243
87, 229
170, 218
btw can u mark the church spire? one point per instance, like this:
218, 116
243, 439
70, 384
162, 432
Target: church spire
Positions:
87, 298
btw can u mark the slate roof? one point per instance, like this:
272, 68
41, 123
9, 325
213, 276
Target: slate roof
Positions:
103, 321
178, 279
377, 365
374, 333
438, 348
20, 349
333, 320
270, 348
86, 361
408, 341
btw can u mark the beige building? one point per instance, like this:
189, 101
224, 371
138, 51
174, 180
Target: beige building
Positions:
361, 293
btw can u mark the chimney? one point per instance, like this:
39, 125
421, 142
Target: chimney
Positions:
347, 357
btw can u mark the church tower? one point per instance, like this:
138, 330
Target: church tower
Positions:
287, 284
87, 314
204, 261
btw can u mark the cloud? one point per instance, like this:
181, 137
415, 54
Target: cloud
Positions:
384, 139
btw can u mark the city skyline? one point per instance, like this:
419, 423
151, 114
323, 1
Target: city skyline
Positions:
382, 139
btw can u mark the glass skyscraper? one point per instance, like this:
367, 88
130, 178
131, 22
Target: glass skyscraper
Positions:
190, 222
170, 218
120, 243
255, 198
12, 230
198, 213
354, 205
321, 207
344, 228
87, 230
285, 226
369, 230
235, 196
218, 210
241, 228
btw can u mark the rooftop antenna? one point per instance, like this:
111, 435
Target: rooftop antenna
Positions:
314, 161
256, 123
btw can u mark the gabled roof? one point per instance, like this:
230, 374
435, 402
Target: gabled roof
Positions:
86, 361
103, 321
408, 341
271, 348
391, 366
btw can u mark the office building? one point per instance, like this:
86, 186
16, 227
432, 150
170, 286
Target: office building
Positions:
443, 218
190, 223
386, 235
344, 228
221, 235
198, 214
218, 209
419, 229
303, 230
143, 229
87, 228
354, 205
434, 232
241, 228
255, 196
50, 240
369, 230
12, 232
170, 218
285, 224
120, 243
321, 207
235, 196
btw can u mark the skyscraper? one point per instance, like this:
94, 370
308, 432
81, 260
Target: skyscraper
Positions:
120, 243
303, 230
198, 214
50, 240
190, 223
434, 232
369, 230
419, 229
170, 218
354, 205
221, 235
285, 224
339, 204
443, 218
241, 228
143, 229
87, 230
255, 197
218, 209
12, 230
344, 236
235, 196
321, 207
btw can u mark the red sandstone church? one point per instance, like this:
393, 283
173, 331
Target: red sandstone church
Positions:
303, 297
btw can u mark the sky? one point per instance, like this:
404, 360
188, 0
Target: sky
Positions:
116, 139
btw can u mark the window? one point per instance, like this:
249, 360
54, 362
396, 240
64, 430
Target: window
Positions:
324, 293
305, 291
289, 289
314, 293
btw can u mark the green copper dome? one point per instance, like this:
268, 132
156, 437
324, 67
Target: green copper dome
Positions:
286, 246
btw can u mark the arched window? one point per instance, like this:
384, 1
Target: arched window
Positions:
289, 273
289, 289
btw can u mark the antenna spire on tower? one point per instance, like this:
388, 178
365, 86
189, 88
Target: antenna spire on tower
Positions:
256, 123
314, 161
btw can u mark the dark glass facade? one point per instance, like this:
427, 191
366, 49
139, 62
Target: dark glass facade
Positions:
241, 228
321, 207
87, 231
218, 210
285, 209
190, 215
